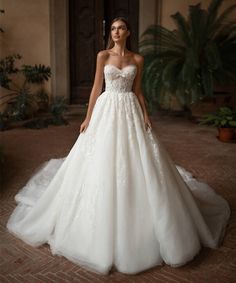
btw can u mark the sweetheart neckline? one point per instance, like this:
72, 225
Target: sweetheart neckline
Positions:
121, 68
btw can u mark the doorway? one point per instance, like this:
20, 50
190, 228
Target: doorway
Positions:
89, 22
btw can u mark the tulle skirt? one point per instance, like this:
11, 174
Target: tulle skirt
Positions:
118, 199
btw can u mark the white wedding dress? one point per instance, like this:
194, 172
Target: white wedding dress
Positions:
117, 199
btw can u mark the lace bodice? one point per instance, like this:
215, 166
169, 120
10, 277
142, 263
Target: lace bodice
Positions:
119, 80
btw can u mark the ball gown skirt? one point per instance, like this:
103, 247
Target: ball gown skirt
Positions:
117, 199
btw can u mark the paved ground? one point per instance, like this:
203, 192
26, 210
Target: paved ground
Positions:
190, 145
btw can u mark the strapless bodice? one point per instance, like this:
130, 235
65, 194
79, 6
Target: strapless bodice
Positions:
119, 80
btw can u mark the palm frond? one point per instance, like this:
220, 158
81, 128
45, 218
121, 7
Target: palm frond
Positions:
159, 31
198, 23
183, 28
213, 10
37, 73
207, 81
212, 56
220, 21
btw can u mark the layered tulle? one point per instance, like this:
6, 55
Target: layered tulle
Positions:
118, 198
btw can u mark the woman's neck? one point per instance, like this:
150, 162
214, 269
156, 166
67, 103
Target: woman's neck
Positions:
120, 49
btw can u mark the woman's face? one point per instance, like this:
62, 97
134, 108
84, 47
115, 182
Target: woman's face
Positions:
119, 31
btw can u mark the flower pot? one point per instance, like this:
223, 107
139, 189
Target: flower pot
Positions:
226, 134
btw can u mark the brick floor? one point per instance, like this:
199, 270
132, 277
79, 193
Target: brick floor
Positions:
190, 145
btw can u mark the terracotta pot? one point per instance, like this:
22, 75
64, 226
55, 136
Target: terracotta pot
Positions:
226, 134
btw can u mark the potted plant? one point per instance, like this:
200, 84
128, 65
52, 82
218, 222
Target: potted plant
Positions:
225, 120
186, 62
20, 99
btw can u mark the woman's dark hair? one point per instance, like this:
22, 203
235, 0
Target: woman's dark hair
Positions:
110, 42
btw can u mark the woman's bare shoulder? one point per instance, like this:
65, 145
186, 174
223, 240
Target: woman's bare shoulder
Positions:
103, 54
102, 57
138, 58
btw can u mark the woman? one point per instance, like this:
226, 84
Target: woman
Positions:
120, 57
118, 200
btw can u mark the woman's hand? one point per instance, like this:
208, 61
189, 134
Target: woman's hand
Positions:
84, 125
147, 122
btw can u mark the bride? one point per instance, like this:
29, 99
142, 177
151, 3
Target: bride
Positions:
117, 200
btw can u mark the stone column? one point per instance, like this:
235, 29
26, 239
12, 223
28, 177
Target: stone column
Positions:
59, 47
150, 13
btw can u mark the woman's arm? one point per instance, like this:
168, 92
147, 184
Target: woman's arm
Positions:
138, 90
96, 89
